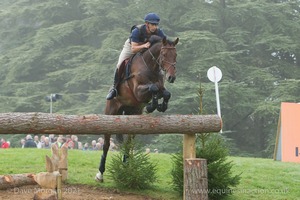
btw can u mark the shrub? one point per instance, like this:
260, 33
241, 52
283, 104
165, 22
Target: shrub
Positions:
137, 172
212, 148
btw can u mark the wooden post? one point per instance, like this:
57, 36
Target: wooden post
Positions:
59, 187
189, 148
195, 171
195, 182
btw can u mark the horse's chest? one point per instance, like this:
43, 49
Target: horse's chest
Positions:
146, 78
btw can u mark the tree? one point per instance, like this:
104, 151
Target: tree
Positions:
72, 48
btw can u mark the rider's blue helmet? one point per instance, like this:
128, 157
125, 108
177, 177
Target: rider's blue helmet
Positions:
152, 18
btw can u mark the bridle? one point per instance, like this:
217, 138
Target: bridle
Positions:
159, 61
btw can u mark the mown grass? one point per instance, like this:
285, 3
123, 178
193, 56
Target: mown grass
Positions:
262, 179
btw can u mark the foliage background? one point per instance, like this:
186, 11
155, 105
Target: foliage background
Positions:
71, 47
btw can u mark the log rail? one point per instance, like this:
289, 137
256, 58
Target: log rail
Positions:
46, 123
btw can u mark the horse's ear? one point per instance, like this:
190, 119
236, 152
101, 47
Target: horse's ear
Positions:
176, 41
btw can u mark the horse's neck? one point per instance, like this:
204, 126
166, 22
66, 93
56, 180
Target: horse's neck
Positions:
151, 57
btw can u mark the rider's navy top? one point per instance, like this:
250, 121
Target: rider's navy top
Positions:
141, 36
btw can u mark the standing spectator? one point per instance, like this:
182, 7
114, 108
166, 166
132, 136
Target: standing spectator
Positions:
94, 147
51, 138
86, 147
112, 145
22, 142
42, 140
80, 147
4, 144
69, 142
98, 146
75, 141
29, 142
37, 142
46, 144
60, 141
101, 142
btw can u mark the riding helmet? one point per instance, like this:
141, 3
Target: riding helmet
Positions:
152, 18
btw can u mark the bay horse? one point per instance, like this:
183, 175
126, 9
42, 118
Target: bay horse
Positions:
142, 87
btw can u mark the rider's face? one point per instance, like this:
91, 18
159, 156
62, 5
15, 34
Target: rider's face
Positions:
152, 27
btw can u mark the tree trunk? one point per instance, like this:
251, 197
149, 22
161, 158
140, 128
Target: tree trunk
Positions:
16, 180
45, 123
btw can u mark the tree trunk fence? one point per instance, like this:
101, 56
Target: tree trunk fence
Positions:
195, 170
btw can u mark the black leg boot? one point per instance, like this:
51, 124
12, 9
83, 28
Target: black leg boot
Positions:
113, 92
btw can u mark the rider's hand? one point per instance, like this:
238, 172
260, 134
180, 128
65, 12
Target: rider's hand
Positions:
147, 45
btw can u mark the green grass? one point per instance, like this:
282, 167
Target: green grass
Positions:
262, 179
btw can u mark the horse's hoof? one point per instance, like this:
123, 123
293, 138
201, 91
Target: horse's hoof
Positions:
149, 109
99, 177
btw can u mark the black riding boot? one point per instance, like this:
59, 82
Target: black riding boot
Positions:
113, 92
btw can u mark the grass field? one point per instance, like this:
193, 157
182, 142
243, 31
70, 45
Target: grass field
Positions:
262, 179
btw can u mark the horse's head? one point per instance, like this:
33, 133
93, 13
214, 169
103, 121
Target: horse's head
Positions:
168, 59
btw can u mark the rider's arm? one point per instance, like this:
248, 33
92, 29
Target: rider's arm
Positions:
136, 47
138, 42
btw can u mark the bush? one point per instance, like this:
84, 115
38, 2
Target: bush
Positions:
137, 172
212, 148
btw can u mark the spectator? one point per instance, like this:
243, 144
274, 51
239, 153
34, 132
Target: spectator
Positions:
75, 141
80, 147
69, 142
42, 140
29, 142
51, 138
98, 146
101, 142
94, 145
60, 141
37, 142
22, 142
46, 144
86, 147
4, 144
112, 145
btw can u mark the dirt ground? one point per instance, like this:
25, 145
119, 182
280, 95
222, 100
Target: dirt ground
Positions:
71, 192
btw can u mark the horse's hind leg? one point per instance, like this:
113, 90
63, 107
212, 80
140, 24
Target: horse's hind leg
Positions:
99, 175
164, 105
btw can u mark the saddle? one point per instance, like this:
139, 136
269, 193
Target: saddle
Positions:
124, 72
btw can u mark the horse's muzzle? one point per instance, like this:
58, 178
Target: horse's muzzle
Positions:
171, 79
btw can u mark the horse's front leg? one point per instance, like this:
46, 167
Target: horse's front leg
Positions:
154, 101
164, 105
99, 175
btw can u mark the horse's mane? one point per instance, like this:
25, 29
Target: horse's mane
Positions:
154, 39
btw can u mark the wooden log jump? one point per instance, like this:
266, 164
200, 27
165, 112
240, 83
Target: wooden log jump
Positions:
46, 123
194, 169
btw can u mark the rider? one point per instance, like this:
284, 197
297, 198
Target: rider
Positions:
137, 41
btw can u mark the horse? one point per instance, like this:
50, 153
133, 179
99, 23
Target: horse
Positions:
142, 85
